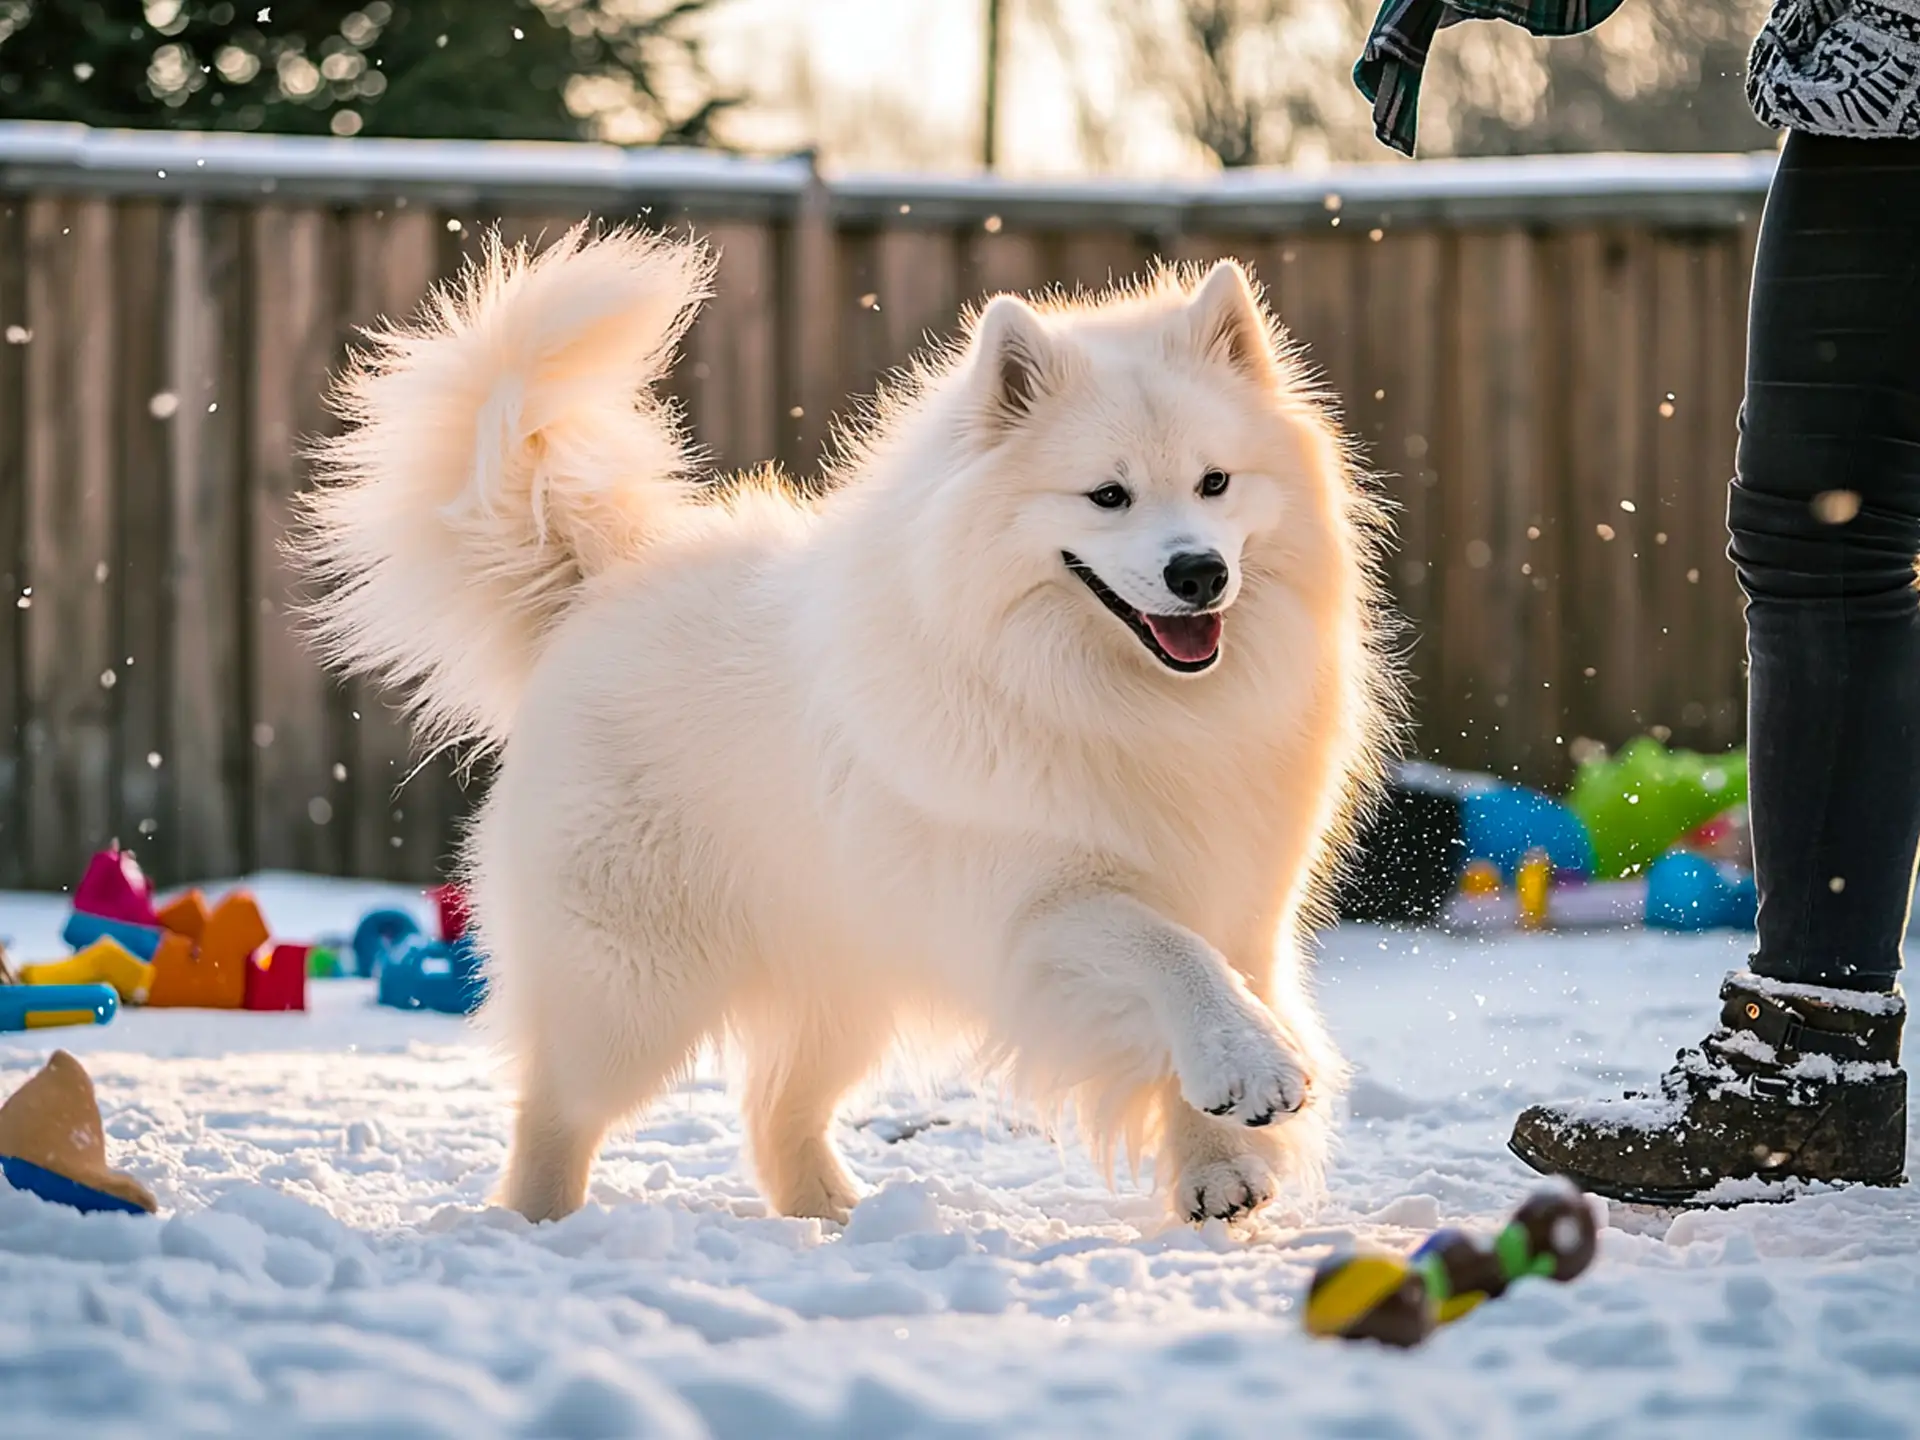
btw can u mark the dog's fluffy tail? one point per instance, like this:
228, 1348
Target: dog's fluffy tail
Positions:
497, 454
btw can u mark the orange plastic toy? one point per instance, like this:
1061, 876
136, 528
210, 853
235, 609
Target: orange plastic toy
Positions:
213, 973
186, 916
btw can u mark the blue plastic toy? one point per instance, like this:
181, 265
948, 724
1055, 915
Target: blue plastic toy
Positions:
1686, 892
1503, 823
42, 1007
24, 1175
415, 972
378, 932
141, 941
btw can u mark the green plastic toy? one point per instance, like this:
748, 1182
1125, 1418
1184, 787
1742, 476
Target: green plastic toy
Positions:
323, 964
1637, 803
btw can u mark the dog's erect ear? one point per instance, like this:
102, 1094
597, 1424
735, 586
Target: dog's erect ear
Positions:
1015, 359
1227, 322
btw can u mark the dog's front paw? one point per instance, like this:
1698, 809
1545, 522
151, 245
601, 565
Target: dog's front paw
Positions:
1243, 1071
808, 1182
1224, 1189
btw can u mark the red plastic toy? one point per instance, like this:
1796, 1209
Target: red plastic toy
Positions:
277, 978
450, 901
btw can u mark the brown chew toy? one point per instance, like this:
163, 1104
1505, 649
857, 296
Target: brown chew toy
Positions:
53, 1121
7, 977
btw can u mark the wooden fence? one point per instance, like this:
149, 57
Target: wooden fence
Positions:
1543, 358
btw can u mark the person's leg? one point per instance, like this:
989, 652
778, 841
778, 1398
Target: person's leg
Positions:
1825, 516
1801, 1079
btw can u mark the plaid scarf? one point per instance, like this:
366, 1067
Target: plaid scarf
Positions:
1389, 70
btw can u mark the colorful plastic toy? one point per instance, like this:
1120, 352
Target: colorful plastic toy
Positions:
186, 915
115, 889
83, 929
276, 979
450, 904
1507, 823
416, 973
210, 974
1533, 889
1482, 906
53, 1145
1435, 828
43, 1007
379, 932
1689, 892
184, 954
1727, 838
1402, 1300
104, 962
1637, 804
323, 963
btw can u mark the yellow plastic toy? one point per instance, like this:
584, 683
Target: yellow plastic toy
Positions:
1533, 883
104, 962
1481, 879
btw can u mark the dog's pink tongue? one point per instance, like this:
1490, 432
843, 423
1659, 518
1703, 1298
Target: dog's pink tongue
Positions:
1188, 638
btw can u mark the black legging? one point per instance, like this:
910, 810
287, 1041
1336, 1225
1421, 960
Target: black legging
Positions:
1831, 422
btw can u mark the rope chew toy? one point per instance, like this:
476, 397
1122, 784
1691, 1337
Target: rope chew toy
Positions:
1401, 1300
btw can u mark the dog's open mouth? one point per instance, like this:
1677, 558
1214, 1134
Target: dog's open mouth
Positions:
1185, 643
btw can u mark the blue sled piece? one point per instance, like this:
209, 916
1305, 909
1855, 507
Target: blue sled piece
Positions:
34, 1180
417, 973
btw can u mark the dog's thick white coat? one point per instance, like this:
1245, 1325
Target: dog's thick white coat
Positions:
795, 769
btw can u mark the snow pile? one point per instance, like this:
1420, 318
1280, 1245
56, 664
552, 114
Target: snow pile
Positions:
326, 1262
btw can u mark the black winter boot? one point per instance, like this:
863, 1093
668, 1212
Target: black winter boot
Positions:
1798, 1082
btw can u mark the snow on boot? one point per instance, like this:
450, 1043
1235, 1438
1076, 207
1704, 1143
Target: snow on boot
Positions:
1798, 1082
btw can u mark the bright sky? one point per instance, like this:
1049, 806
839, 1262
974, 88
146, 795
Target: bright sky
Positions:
895, 83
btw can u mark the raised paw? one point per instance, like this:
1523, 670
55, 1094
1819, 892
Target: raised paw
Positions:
1224, 1189
1244, 1072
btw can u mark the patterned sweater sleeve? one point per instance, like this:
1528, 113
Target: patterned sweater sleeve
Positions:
1839, 67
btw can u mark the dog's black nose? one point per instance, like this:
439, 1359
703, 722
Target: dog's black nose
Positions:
1197, 577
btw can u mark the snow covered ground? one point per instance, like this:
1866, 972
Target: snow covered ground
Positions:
326, 1264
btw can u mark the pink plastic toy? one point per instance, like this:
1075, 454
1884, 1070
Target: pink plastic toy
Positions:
115, 889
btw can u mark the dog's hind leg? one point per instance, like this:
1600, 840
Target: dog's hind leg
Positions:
594, 1048
553, 1149
801, 1059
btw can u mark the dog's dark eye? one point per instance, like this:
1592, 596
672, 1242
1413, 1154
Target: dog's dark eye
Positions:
1111, 497
1214, 482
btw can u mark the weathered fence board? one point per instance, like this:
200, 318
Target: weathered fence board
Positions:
1514, 364
69, 533
143, 534
298, 267
212, 733
15, 339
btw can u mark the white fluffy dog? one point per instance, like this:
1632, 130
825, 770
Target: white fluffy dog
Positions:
1041, 720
